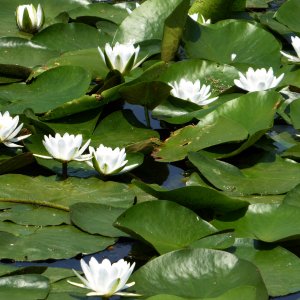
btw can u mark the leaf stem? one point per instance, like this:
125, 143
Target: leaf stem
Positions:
64, 170
147, 117
36, 202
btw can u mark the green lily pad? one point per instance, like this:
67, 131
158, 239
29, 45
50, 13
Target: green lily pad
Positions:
280, 269
121, 129
217, 241
233, 121
24, 287
195, 197
252, 45
197, 273
104, 11
288, 14
266, 177
150, 16
266, 222
57, 242
159, 225
68, 37
96, 218
19, 51
62, 194
51, 89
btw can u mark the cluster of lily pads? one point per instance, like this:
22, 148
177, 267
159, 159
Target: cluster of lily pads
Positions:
217, 83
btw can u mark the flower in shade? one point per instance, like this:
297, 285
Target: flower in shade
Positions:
65, 148
258, 80
296, 46
29, 19
9, 129
194, 92
105, 279
121, 57
136, 6
108, 161
202, 20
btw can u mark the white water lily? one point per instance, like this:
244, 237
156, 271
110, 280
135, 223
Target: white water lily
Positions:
296, 46
136, 6
29, 19
194, 92
65, 148
9, 129
105, 279
108, 161
202, 20
258, 80
121, 57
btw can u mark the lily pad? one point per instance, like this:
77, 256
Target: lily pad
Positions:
51, 89
288, 14
159, 225
266, 177
266, 222
197, 273
252, 44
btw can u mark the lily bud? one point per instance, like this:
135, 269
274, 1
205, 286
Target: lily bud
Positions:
29, 19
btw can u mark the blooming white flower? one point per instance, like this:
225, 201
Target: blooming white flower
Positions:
193, 92
202, 20
136, 6
121, 57
233, 56
258, 80
296, 46
9, 130
65, 148
108, 161
105, 279
30, 19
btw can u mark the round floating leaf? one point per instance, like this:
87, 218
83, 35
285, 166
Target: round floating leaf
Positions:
266, 177
24, 287
9, 163
56, 242
62, 194
96, 218
252, 44
150, 17
266, 222
50, 89
217, 241
120, 129
18, 51
195, 197
280, 269
197, 273
251, 114
159, 225
104, 11
288, 14
33, 215
89, 59
68, 37
248, 292
219, 77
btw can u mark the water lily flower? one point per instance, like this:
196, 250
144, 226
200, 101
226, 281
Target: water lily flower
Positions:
296, 46
29, 19
9, 130
121, 57
202, 20
193, 92
233, 56
105, 279
258, 80
136, 6
65, 148
108, 161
